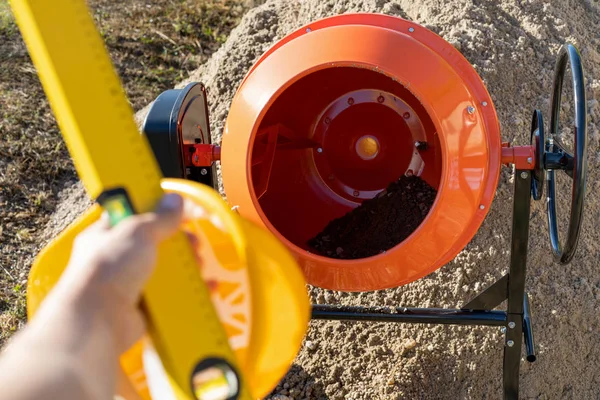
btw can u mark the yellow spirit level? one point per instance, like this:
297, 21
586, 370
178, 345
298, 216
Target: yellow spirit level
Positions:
117, 167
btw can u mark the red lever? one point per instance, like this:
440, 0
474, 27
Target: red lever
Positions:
201, 155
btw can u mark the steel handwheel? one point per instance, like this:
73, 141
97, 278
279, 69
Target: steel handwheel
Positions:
575, 165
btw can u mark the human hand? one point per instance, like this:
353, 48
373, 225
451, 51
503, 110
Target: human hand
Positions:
110, 265
72, 346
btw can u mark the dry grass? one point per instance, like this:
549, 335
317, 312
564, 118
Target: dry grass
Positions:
153, 44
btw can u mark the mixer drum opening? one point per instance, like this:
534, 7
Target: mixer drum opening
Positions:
333, 139
333, 113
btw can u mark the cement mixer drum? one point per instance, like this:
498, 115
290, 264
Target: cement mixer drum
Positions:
337, 110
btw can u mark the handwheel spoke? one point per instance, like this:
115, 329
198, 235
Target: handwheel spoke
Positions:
569, 173
566, 157
558, 159
558, 143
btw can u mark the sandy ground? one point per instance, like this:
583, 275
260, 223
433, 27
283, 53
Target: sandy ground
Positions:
513, 47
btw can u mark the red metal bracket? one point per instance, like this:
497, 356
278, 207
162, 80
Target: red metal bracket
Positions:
523, 157
201, 155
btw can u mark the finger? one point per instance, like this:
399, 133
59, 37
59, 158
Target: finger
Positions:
157, 225
102, 224
169, 214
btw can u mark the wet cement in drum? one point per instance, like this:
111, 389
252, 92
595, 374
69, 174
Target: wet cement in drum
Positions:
378, 224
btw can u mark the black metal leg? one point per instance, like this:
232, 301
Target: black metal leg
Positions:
528, 330
516, 283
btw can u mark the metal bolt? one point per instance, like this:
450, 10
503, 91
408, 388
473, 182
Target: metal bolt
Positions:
203, 171
411, 29
481, 207
406, 115
503, 329
327, 120
524, 175
510, 343
484, 103
380, 99
308, 30
319, 150
470, 109
511, 325
356, 193
351, 101
419, 145
529, 160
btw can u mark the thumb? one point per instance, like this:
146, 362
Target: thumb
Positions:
166, 218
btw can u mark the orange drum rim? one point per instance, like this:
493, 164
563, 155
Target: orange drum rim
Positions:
384, 270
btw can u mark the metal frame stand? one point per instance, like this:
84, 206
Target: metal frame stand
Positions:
479, 311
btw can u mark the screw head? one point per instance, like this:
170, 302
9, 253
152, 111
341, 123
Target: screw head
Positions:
503, 329
421, 145
380, 99
510, 343
411, 29
524, 175
203, 171
351, 101
196, 158
319, 150
356, 193
481, 207
529, 160
484, 103
406, 115
308, 30
470, 109
511, 325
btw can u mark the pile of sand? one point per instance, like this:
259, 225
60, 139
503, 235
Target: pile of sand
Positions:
513, 48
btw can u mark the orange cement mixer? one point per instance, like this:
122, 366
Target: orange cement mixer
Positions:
337, 110
332, 114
